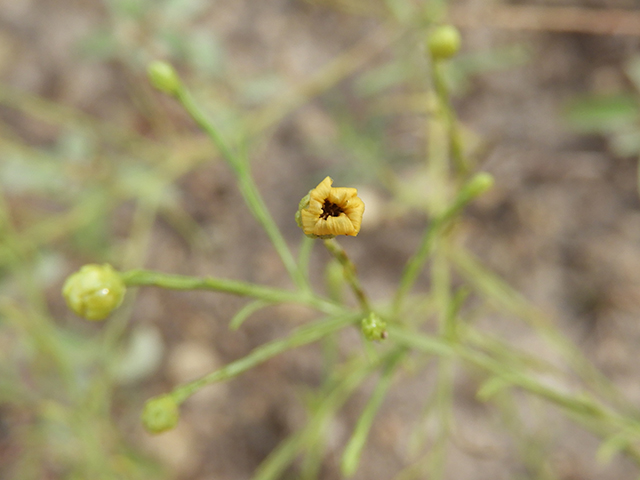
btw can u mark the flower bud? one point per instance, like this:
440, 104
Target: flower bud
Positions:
444, 42
94, 291
160, 414
327, 211
479, 184
373, 327
304, 203
164, 77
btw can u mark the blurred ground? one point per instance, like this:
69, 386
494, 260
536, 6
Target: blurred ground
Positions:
562, 224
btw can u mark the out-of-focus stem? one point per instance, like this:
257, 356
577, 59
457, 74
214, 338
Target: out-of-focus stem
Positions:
180, 282
350, 273
247, 186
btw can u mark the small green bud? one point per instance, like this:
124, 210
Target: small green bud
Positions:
479, 184
444, 42
94, 291
164, 77
373, 327
304, 203
160, 414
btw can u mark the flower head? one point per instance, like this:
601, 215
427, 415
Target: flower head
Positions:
444, 42
164, 77
373, 327
94, 291
160, 414
327, 211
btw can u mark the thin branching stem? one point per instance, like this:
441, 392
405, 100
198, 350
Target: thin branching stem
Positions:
247, 186
302, 336
350, 273
270, 295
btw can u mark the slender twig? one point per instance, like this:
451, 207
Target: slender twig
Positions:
271, 295
350, 273
247, 186
302, 336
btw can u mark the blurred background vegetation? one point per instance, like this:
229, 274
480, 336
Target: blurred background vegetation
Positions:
97, 167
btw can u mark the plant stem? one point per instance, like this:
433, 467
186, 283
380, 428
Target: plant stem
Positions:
350, 273
302, 336
434, 230
453, 131
247, 187
353, 450
137, 277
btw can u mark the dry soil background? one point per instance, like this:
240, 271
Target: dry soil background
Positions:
562, 225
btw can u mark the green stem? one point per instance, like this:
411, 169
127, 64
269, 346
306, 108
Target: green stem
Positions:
453, 130
302, 336
581, 407
355, 446
501, 294
350, 273
477, 185
247, 187
334, 393
304, 255
135, 278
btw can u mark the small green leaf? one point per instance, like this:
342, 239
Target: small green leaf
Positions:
490, 388
245, 312
602, 114
611, 446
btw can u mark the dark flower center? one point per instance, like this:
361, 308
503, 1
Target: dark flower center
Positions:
330, 209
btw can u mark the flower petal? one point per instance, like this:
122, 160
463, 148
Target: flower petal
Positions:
340, 225
355, 210
309, 220
341, 195
343, 220
322, 191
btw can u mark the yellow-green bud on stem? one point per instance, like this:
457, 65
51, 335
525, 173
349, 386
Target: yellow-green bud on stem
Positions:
94, 291
479, 184
160, 414
444, 42
164, 77
373, 327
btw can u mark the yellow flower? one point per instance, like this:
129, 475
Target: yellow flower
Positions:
326, 211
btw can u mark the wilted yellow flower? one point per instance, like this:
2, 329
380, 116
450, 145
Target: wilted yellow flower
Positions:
326, 211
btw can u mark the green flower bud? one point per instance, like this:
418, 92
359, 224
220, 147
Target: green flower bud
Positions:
160, 414
444, 42
94, 291
373, 327
479, 184
304, 203
164, 77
